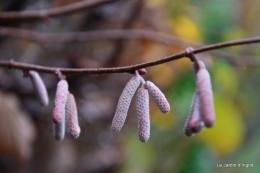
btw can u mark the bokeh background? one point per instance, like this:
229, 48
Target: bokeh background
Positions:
26, 140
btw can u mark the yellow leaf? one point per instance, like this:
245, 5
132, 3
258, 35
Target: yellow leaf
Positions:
186, 28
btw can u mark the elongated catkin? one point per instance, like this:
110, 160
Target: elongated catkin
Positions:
158, 97
194, 123
205, 94
39, 88
72, 117
59, 129
60, 101
142, 106
124, 103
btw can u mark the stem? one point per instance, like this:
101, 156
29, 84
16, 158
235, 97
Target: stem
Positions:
125, 69
52, 12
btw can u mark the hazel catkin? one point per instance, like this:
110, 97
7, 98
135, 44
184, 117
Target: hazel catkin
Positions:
124, 103
158, 97
205, 95
72, 117
194, 124
59, 129
39, 88
143, 116
60, 101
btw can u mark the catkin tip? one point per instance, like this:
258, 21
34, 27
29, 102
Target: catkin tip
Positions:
143, 116
59, 130
72, 116
158, 97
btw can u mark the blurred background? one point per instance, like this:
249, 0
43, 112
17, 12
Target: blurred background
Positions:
27, 144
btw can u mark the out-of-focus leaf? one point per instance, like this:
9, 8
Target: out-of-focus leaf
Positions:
139, 157
185, 28
162, 75
161, 121
228, 133
181, 94
197, 159
225, 78
215, 17
16, 130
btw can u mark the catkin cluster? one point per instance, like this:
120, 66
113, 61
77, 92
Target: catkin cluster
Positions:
142, 105
202, 111
65, 109
64, 112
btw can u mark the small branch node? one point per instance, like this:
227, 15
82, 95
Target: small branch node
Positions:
10, 64
142, 79
190, 53
60, 76
26, 73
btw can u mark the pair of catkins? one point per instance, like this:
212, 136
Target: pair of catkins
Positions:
202, 113
142, 105
65, 112
65, 109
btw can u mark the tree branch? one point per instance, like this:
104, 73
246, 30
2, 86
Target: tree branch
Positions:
126, 69
52, 12
69, 37
138, 34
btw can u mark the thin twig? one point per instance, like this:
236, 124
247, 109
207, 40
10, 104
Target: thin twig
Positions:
68, 37
52, 12
136, 34
125, 69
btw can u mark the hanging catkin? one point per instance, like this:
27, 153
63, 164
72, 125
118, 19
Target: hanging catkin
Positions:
205, 94
158, 97
72, 117
39, 88
60, 101
124, 103
59, 129
142, 106
194, 124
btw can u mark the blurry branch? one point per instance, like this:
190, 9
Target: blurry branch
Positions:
138, 34
69, 37
52, 12
125, 69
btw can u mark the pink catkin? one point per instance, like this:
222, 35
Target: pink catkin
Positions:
194, 123
158, 97
72, 117
124, 103
59, 129
142, 106
39, 88
205, 94
60, 101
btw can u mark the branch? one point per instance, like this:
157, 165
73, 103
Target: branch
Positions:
52, 12
126, 69
138, 34
69, 37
